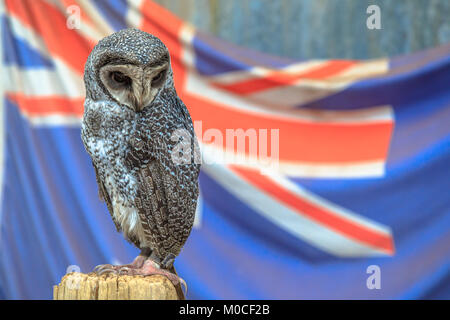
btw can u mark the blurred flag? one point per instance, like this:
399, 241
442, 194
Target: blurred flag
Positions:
363, 176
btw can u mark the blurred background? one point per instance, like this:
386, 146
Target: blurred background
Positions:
358, 207
322, 29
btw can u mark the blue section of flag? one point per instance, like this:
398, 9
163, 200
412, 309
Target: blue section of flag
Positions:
214, 57
18, 52
398, 88
209, 62
114, 12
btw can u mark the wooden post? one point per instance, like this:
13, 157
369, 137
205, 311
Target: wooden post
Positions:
81, 286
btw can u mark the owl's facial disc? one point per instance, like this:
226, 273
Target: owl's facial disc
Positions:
132, 85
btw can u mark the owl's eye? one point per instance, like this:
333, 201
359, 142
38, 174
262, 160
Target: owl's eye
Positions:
157, 80
120, 78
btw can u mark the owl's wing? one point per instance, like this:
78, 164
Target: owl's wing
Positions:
151, 202
167, 192
103, 195
151, 205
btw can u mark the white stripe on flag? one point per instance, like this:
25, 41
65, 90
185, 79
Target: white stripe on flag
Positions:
198, 86
304, 91
40, 82
134, 15
298, 169
259, 72
352, 170
329, 206
297, 93
86, 29
53, 120
32, 39
298, 225
186, 37
102, 27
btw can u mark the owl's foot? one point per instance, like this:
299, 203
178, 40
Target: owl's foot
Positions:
150, 268
137, 263
113, 269
104, 268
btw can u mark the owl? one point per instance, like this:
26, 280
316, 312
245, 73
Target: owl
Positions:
141, 140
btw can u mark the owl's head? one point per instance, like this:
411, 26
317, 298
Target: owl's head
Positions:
130, 67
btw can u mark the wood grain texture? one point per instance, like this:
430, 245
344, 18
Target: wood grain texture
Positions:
81, 286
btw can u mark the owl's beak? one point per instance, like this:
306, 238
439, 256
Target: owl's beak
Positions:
144, 102
142, 97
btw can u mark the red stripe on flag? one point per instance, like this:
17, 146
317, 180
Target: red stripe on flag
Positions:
84, 17
42, 106
166, 26
299, 140
50, 24
325, 217
278, 78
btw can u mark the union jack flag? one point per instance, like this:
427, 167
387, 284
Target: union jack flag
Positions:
362, 178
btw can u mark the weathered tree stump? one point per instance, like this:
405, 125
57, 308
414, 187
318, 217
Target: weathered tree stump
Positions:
81, 286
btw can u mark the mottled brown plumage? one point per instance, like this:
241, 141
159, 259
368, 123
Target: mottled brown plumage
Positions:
134, 127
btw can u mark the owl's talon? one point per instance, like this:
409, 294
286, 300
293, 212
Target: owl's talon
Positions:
183, 285
100, 267
150, 268
107, 271
125, 271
